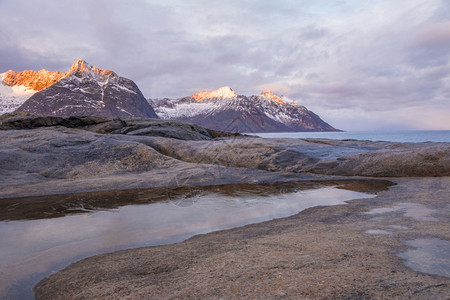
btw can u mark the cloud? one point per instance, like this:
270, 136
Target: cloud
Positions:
370, 57
278, 88
414, 118
436, 35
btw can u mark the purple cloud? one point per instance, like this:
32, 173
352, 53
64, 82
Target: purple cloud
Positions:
368, 57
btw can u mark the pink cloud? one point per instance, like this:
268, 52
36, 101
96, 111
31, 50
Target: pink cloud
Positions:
435, 35
279, 88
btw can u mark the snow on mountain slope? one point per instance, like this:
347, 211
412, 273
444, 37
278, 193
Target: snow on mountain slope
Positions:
88, 90
11, 97
271, 96
17, 87
83, 90
223, 109
36, 80
223, 92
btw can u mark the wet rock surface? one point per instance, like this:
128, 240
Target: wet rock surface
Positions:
320, 253
53, 155
349, 251
55, 206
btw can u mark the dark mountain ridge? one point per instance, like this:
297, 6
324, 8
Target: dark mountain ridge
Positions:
223, 109
88, 90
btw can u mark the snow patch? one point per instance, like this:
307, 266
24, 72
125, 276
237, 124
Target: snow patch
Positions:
223, 92
289, 100
287, 112
12, 97
123, 110
121, 87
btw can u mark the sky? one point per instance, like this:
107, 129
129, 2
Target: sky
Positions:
359, 64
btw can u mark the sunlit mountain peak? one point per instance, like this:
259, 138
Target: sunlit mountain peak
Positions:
223, 92
271, 96
32, 80
81, 67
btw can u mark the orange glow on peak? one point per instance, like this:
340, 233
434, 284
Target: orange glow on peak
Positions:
223, 92
271, 96
80, 66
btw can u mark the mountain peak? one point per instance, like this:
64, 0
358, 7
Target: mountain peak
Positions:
271, 96
34, 80
87, 90
81, 67
263, 113
223, 92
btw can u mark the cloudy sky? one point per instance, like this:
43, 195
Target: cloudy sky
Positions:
359, 64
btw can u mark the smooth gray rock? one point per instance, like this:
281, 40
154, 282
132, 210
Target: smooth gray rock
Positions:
66, 155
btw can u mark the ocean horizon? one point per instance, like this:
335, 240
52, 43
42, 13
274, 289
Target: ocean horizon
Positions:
404, 136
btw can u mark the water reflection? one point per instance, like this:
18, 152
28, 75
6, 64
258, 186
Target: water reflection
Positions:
428, 255
60, 205
378, 231
416, 211
31, 249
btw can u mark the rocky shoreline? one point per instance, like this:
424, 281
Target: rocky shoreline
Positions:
339, 252
53, 155
323, 252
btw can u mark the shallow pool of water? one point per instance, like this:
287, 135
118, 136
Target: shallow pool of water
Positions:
33, 248
428, 255
416, 211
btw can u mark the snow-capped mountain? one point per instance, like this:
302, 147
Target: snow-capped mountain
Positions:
223, 109
17, 87
88, 90
223, 92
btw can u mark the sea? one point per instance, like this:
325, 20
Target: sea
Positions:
409, 136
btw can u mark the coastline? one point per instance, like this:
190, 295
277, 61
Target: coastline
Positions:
43, 156
405, 136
